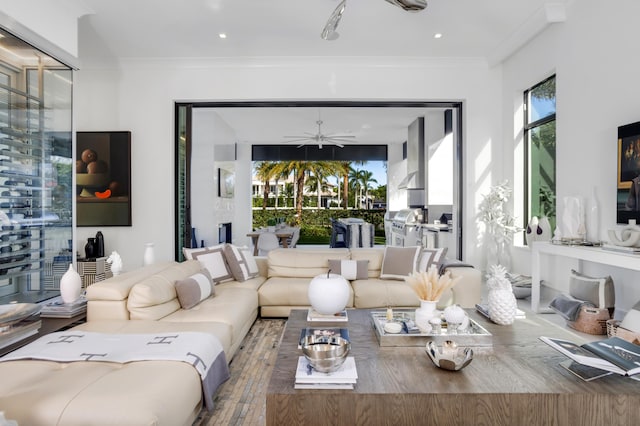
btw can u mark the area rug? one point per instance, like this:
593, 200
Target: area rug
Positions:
242, 399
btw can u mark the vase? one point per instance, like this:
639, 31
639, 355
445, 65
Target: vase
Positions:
149, 255
593, 218
328, 293
194, 241
90, 248
424, 313
544, 229
532, 231
70, 285
99, 244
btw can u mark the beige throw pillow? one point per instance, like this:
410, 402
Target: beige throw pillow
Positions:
350, 269
241, 262
399, 262
194, 289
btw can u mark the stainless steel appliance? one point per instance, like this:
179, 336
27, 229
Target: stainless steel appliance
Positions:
406, 228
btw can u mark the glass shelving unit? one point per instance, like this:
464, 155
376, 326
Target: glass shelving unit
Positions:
36, 167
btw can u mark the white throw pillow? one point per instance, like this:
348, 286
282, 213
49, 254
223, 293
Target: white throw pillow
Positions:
213, 259
431, 256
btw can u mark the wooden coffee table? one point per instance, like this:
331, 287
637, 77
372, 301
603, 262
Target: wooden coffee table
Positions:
518, 382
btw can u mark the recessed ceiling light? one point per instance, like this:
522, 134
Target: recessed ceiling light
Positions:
222, 35
437, 35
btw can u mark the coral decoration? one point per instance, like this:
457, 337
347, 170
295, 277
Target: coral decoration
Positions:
429, 285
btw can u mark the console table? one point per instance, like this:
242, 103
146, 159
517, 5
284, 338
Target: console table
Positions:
519, 382
577, 255
49, 325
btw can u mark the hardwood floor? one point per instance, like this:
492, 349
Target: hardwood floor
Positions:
242, 399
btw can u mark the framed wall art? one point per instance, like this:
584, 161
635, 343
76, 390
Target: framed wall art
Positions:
103, 178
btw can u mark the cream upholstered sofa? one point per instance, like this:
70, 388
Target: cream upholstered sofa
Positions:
289, 272
36, 392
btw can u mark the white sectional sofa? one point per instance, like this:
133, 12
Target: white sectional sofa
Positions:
37, 392
289, 272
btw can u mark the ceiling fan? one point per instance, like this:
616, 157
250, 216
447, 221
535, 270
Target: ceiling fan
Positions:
320, 138
329, 31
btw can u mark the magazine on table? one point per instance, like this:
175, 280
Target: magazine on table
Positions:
613, 354
323, 331
346, 374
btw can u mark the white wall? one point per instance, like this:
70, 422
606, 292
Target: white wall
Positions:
140, 97
597, 91
207, 209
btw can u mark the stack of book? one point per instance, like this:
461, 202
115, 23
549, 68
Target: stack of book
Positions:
308, 378
56, 308
17, 322
313, 315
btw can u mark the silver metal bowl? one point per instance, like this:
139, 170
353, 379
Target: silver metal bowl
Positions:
325, 353
449, 356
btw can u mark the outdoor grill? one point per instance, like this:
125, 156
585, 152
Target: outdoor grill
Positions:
406, 229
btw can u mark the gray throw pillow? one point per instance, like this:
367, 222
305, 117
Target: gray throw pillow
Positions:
399, 262
599, 291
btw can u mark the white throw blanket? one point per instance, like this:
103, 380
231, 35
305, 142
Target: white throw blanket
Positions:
201, 350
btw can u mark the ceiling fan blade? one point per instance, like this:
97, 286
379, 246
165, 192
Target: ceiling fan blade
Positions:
340, 136
299, 140
329, 31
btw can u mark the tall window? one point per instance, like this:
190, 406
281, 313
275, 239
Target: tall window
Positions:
540, 155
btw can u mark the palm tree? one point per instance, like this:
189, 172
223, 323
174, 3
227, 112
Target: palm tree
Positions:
265, 172
366, 178
299, 170
318, 181
345, 170
355, 176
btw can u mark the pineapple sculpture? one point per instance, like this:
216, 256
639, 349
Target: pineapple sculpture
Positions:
502, 302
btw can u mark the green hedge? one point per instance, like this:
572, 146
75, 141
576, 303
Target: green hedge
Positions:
315, 225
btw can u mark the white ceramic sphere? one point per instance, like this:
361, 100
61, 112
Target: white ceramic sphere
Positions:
328, 293
454, 314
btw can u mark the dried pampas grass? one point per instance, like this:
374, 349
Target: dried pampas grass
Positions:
429, 285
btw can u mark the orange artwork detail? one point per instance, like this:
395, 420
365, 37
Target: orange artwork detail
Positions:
105, 194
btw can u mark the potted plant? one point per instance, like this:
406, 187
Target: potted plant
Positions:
499, 224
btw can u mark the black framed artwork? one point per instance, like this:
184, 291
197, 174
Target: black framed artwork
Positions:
103, 178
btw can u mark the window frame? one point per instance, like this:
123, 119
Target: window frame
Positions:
528, 127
